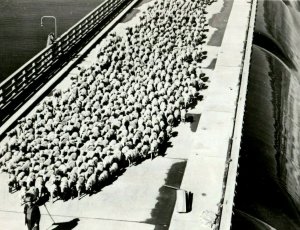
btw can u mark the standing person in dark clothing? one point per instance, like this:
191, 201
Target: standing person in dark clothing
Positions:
51, 39
32, 213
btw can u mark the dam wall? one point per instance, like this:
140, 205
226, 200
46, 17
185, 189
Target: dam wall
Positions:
267, 193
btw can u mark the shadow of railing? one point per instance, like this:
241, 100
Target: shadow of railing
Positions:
66, 225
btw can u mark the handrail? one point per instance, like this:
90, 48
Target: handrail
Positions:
31, 72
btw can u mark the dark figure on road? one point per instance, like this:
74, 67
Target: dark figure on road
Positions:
32, 213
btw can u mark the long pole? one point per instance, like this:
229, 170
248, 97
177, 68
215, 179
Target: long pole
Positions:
49, 214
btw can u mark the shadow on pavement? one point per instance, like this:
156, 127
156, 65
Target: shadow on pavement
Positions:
194, 119
66, 225
161, 214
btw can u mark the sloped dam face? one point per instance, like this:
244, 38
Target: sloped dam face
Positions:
268, 185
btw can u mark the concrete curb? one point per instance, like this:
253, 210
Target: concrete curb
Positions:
227, 210
221, 122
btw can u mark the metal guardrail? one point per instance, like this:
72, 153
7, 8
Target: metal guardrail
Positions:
19, 86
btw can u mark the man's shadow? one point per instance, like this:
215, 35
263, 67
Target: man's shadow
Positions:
66, 225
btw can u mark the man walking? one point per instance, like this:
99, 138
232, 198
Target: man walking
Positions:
32, 213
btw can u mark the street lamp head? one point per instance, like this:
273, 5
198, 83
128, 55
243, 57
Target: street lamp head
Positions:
55, 28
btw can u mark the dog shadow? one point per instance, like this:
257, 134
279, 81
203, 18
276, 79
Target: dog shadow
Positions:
66, 225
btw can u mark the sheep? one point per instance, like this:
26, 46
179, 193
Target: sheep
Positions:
103, 177
169, 131
80, 186
137, 137
40, 185
170, 120
12, 183
153, 148
144, 151
62, 169
90, 183
82, 168
53, 190
7, 156
183, 115
132, 96
107, 161
177, 115
100, 168
64, 188
30, 179
156, 129
187, 99
79, 160
89, 172
113, 169
130, 156
50, 171
23, 192
117, 156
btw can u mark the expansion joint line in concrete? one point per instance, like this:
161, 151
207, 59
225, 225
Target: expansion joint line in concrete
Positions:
83, 217
232, 161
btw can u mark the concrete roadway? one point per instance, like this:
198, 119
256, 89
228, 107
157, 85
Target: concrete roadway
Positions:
136, 200
211, 152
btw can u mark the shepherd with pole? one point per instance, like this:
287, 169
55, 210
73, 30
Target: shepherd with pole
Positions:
32, 213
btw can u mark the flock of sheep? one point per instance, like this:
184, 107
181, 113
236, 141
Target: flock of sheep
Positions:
118, 111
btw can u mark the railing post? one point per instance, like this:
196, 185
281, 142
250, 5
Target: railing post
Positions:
1, 97
33, 67
13, 82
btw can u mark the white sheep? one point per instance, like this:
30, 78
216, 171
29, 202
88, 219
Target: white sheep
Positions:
64, 188
53, 190
90, 183
153, 148
145, 151
183, 115
103, 177
113, 169
80, 186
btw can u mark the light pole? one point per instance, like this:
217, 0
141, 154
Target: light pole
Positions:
55, 26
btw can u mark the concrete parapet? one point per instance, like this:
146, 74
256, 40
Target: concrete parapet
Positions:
228, 204
216, 150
